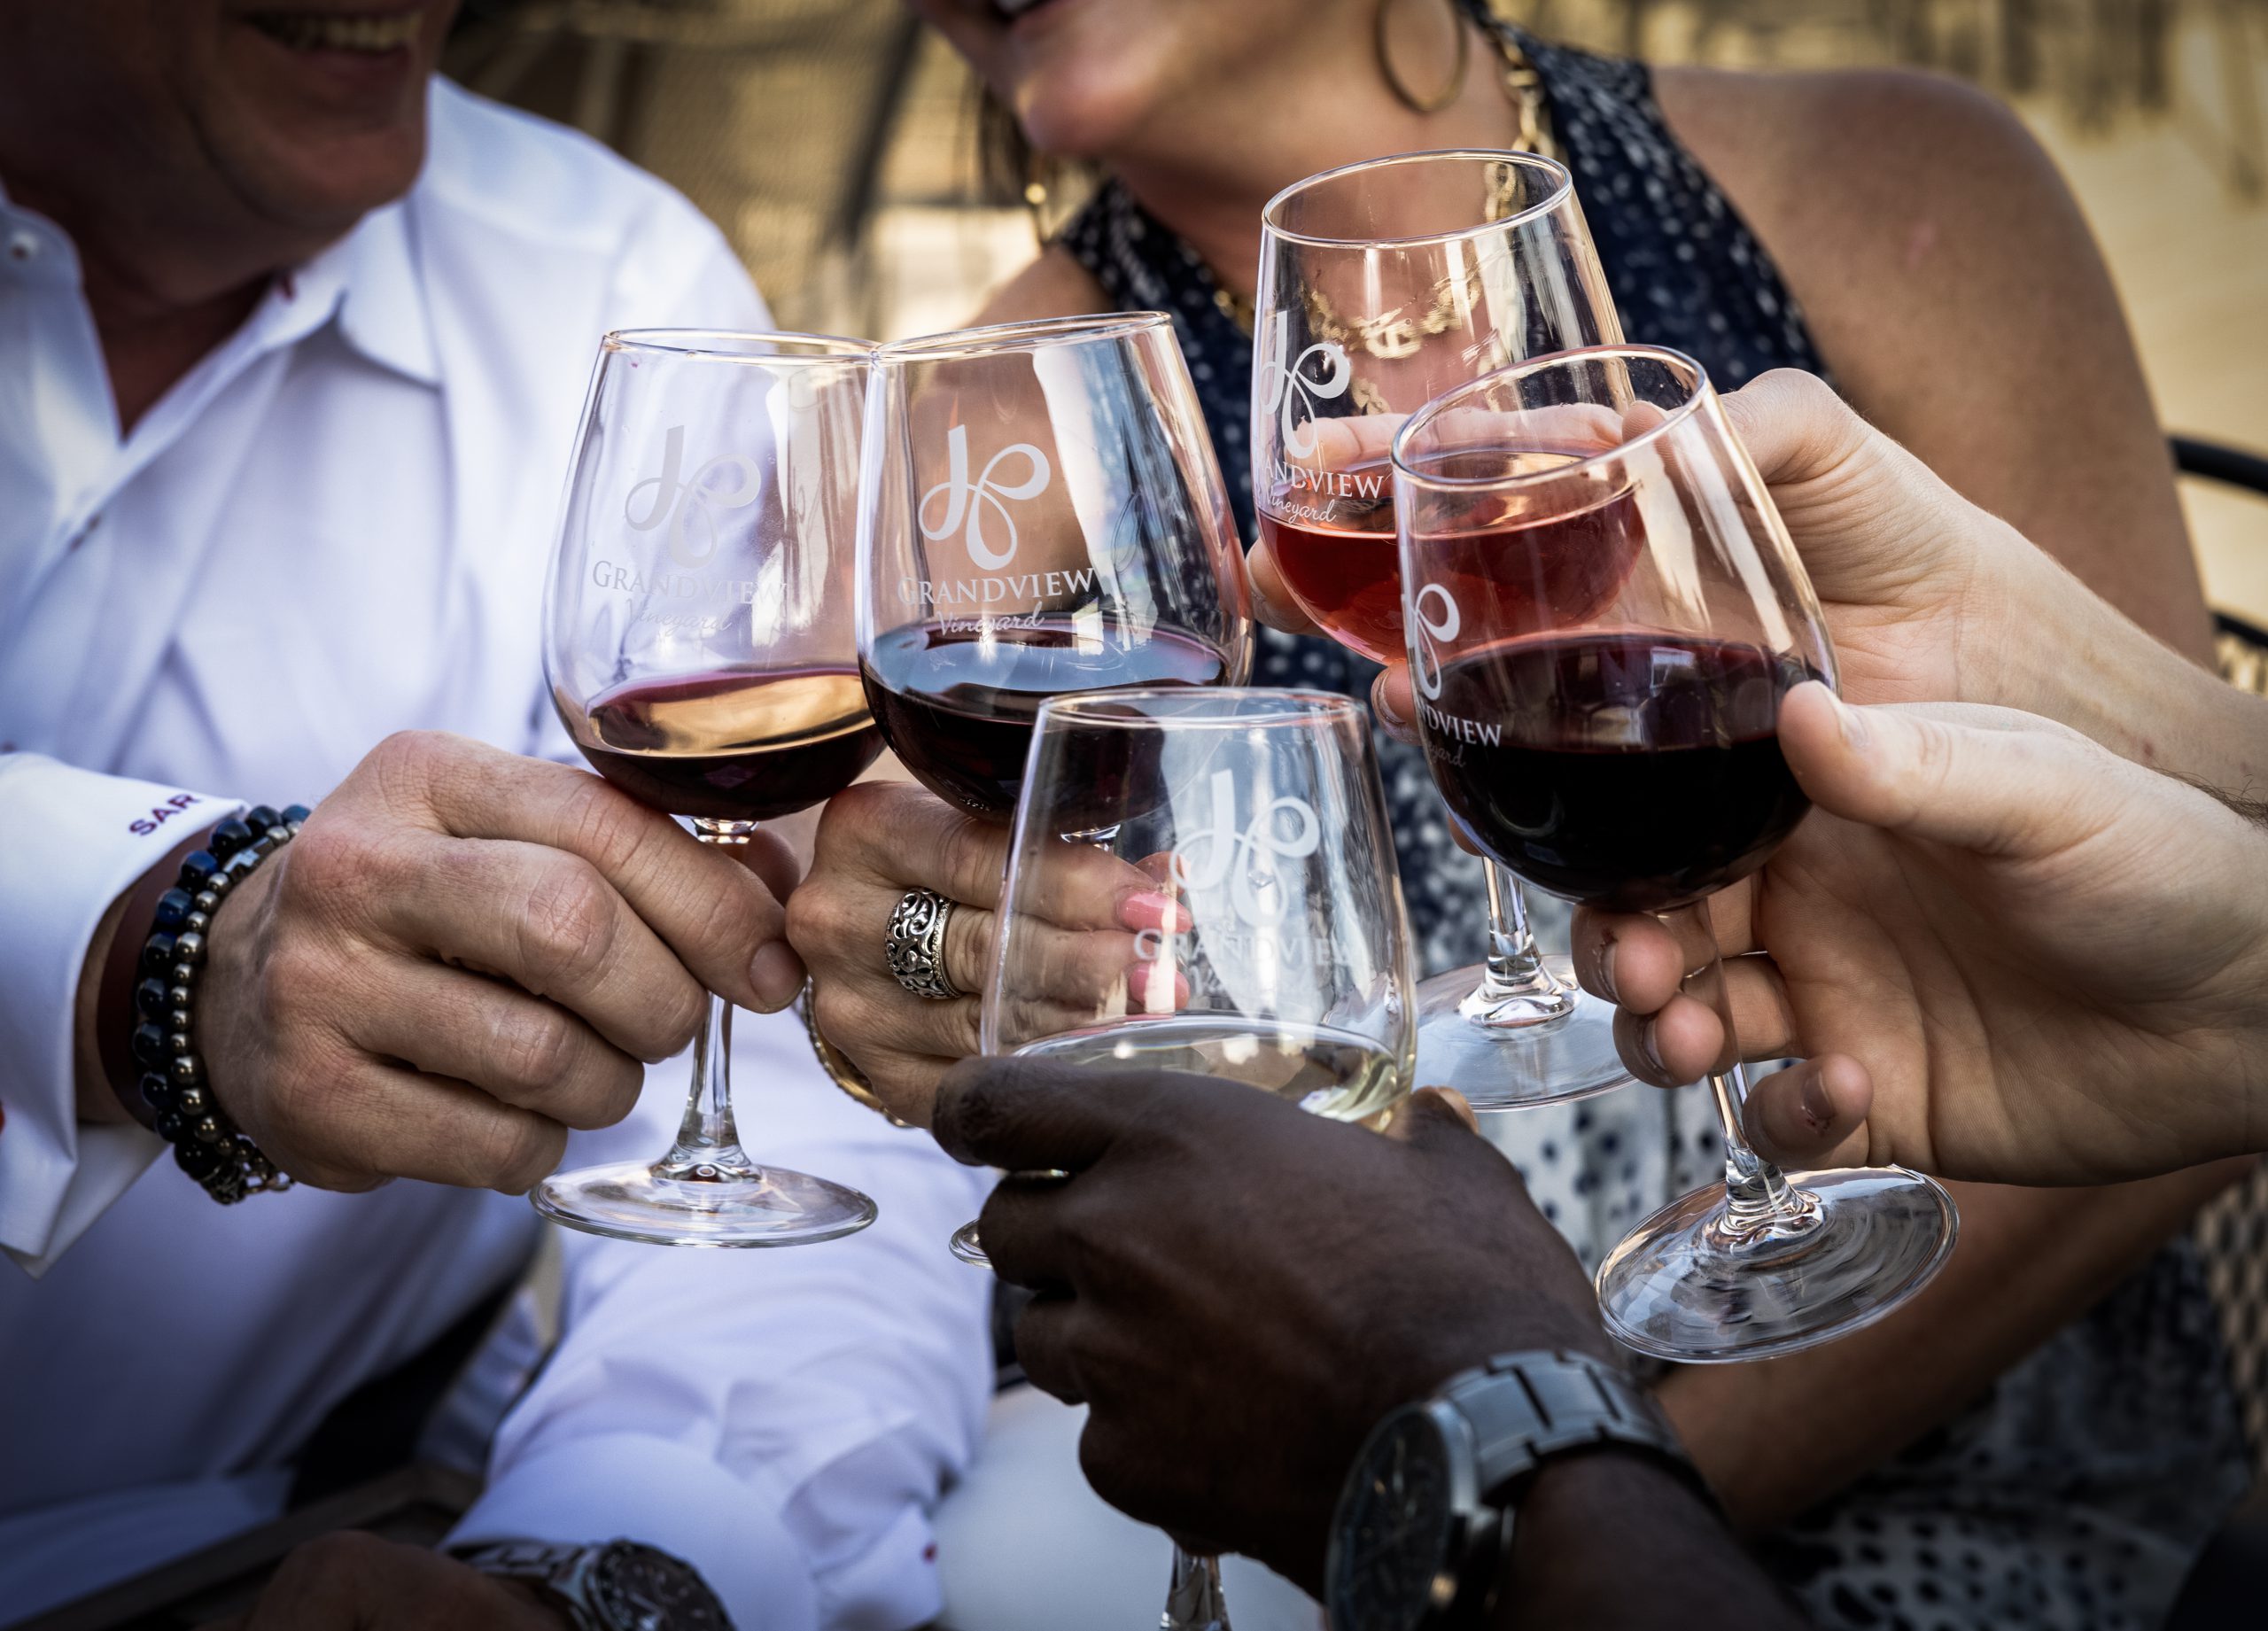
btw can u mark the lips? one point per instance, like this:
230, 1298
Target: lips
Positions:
367, 34
1011, 10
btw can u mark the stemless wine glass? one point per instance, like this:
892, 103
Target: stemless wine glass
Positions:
1382, 285
697, 640
1604, 611
1040, 512
1244, 920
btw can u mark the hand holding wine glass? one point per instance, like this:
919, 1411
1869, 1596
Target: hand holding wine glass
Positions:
1619, 746
1932, 939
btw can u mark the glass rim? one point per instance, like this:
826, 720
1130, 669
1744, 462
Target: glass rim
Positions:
1703, 390
799, 348
1283, 706
1562, 189
953, 345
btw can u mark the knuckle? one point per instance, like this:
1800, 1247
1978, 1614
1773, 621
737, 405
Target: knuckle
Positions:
511, 1152
969, 854
609, 830
531, 1048
567, 929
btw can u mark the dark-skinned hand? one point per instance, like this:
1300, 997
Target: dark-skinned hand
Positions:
1239, 1291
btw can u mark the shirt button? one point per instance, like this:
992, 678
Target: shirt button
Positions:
22, 246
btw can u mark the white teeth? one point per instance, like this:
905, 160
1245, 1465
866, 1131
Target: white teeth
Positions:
306, 32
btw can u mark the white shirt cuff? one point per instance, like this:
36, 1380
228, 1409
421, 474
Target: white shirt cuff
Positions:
627, 1486
77, 840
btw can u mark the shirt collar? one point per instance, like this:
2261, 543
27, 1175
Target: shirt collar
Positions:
370, 276
382, 305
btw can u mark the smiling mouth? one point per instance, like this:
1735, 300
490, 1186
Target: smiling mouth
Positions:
371, 35
1008, 11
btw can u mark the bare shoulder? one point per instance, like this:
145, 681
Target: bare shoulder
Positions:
1840, 165
1956, 290
1053, 285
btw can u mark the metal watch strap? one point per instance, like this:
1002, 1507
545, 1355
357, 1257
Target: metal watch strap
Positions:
540, 1563
1526, 1408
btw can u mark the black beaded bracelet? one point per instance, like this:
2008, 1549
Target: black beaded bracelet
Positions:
207, 1144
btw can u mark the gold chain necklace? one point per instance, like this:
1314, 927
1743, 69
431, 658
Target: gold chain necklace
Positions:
1390, 334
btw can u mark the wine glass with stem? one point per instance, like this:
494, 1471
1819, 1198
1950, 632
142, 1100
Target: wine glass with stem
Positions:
1604, 611
1041, 512
1383, 285
699, 650
1243, 920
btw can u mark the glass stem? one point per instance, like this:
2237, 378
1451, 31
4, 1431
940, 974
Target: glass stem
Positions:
1762, 1208
1516, 989
708, 1147
1193, 1602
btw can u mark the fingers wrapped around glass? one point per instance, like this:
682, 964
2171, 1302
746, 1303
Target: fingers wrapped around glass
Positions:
1603, 613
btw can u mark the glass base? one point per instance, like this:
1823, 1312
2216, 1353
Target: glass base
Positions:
760, 1206
1513, 1057
968, 1248
1682, 1288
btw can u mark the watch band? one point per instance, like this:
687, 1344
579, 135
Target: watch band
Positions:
547, 1563
1524, 1408
619, 1586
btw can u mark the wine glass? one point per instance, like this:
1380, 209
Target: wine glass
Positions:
1603, 611
697, 642
1381, 285
1041, 512
1244, 920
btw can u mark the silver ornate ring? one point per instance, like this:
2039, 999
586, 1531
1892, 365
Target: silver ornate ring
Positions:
915, 944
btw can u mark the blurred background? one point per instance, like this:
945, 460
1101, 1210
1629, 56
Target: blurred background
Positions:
836, 142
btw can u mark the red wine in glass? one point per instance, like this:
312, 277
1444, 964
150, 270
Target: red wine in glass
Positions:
958, 698
1634, 771
731, 745
1332, 535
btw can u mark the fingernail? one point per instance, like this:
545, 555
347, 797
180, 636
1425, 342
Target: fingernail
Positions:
1817, 1107
777, 973
1381, 700
1154, 909
1603, 972
1853, 721
1649, 1051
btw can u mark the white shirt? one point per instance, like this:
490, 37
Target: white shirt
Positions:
334, 527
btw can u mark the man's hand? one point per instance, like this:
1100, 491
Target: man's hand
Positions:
1240, 1291
352, 1581
2011, 955
465, 953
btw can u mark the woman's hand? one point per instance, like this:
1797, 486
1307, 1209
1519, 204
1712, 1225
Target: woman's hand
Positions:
1093, 959
877, 841
2010, 955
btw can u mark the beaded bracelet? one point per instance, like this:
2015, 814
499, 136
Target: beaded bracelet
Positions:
207, 1144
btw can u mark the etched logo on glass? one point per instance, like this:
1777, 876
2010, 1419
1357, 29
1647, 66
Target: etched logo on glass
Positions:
1248, 857
1290, 392
688, 504
966, 504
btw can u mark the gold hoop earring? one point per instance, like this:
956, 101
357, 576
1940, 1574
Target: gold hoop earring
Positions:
1434, 102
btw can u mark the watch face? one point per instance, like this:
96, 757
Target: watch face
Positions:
635, 1588
1389, 1561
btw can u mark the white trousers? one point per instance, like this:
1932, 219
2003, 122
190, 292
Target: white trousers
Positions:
1024, 1545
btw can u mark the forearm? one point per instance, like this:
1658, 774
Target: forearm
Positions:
1584, 1521
2028, 1262
2061, 650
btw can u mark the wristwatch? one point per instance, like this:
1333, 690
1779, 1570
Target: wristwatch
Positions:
621, 1586
1426, 1514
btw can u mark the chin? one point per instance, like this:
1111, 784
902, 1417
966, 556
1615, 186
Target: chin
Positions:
1083, 112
